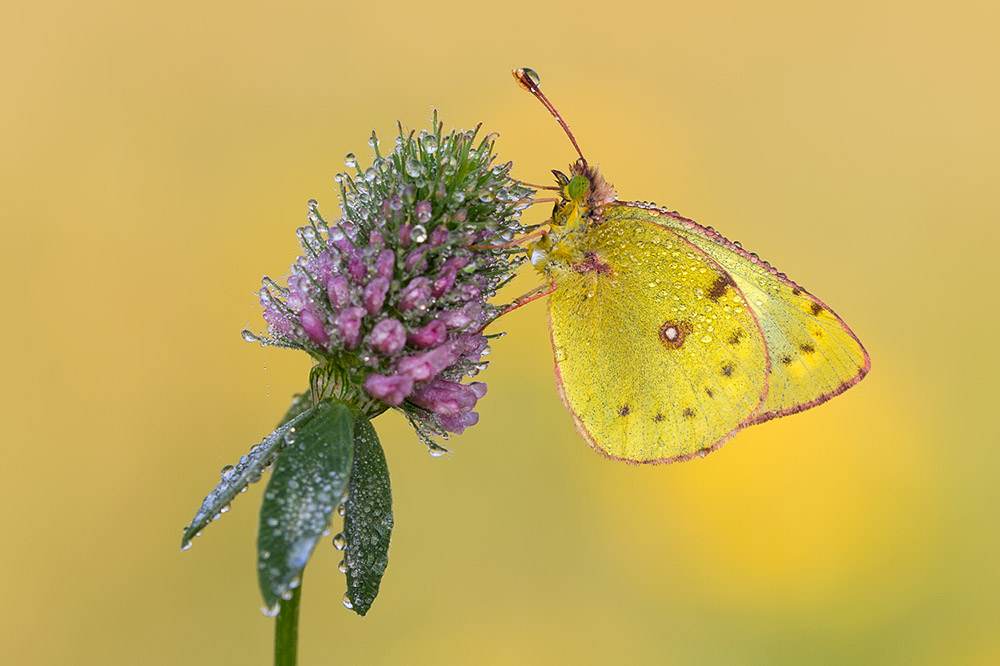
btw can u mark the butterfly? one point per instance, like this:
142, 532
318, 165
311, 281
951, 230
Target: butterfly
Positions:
668, 338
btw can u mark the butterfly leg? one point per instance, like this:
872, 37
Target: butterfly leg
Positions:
533, 295
514, 243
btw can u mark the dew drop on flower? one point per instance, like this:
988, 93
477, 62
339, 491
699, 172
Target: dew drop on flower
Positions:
312, 205
413, 168
342, 567
347, 602
350, 160
419, 233
340, 541
249, 336
430, 144
370, 174
270, 611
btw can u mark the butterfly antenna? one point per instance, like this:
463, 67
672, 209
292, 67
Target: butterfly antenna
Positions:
529, 80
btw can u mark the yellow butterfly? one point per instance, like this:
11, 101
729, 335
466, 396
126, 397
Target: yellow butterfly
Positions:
668, 338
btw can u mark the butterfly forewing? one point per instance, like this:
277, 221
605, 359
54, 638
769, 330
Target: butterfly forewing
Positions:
658, 355
814, 355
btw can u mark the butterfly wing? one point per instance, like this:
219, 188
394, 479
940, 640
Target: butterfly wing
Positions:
814, 355
657, 354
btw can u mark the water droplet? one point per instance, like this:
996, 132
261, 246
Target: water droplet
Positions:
312, 205
370, 174
419, 233
347, 602
485, 196
341, 509
227, 471
340, 541
430, 144
413, 168
350, 160
186, 545
271, 611
436, 451
532, 76
342, 567
250, 336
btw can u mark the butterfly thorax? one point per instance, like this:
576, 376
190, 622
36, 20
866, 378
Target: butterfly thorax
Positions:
565, 248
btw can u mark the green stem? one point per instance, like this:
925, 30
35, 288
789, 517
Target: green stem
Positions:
286, 630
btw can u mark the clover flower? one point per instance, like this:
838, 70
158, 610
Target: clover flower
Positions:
392, 297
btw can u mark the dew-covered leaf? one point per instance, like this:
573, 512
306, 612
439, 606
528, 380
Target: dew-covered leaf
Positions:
235, 478
367, 519
310, 477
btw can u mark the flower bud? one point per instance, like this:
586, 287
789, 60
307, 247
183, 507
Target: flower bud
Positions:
349, 326
388, 336
392, 390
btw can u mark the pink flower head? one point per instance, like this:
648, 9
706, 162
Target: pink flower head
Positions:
393, 292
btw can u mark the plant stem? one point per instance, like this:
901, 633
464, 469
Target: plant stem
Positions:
286, 630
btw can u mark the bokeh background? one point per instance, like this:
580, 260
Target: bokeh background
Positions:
156, 159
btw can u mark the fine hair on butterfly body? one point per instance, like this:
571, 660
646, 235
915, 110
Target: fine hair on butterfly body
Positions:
668, 338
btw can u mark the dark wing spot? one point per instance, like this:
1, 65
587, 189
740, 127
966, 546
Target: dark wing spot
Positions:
734, 339
673, 333
786, 360
658, 418
688, 413
807, 349
727, 369
709, 392
816, 308
624, 410
796, 291
719, 287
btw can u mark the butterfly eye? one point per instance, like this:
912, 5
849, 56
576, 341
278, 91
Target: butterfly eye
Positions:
578, 186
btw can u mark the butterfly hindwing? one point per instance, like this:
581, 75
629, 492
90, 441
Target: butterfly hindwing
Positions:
814, 355
657, 353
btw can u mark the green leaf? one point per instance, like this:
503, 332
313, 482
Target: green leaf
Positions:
309, 479
367, 519
235, 478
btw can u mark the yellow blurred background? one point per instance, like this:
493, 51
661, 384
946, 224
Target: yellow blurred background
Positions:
156, 160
